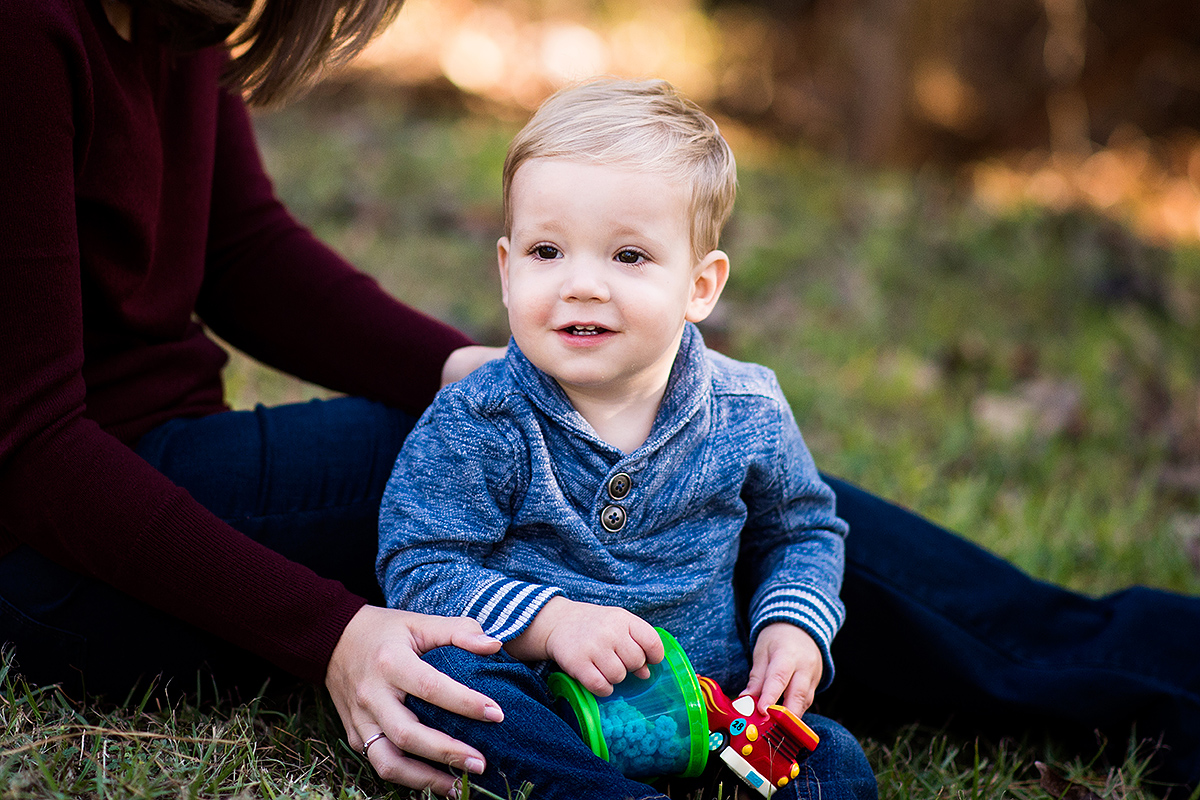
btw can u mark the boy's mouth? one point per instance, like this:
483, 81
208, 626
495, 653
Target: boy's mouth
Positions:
585, 330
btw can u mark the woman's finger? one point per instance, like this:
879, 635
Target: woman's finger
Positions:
429, 631
412, 676
393, 764
419, 679
407, 734
377, 663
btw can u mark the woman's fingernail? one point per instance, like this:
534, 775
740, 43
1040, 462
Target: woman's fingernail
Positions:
493, 714
475, 765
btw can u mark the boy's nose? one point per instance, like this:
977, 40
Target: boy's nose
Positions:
583, 282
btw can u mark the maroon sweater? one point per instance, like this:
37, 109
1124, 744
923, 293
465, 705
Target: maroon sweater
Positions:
132, 201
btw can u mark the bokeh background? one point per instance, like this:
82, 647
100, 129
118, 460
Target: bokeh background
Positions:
1057, 101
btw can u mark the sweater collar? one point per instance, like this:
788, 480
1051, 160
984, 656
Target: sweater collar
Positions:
688, 388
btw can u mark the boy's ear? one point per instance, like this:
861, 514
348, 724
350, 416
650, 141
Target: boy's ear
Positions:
502, 261
707, 285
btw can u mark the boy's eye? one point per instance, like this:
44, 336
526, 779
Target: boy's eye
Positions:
546, 251
628, 256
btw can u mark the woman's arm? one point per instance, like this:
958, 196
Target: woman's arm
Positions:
68, 488
276, 292
81, 496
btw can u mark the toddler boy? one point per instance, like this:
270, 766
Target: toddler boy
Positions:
611, 473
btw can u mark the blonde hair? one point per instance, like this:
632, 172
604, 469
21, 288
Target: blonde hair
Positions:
641, 125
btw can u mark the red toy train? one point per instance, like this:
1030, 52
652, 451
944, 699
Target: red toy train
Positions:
763, 748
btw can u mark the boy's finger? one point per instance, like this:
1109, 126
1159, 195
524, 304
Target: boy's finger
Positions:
614, 668
650, 642
594, 681
772, 688
797, 699
755, 681
632, 654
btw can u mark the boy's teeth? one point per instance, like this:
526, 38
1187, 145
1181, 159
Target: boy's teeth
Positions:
583, 330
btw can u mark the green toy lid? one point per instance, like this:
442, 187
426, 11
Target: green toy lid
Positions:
587, 711
689, 685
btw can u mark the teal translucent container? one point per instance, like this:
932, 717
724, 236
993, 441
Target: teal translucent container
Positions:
648, 727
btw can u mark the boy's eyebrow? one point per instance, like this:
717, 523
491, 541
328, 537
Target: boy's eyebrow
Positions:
641, 236
625, 230
551, 225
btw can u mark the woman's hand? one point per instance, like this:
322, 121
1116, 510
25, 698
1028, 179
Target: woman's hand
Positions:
377, 663
465, 360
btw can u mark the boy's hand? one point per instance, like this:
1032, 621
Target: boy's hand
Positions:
786, 669
596, 645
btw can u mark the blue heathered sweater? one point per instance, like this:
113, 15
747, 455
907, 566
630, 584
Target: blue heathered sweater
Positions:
498, 499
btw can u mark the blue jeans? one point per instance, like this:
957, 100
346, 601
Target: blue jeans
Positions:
533, 744
936, 627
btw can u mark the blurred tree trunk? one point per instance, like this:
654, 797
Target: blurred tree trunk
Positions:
879, 35
907, 81
1065, 54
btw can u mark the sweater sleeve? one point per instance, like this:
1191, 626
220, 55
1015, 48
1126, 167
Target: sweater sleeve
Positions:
444, 515
277, 293
793, 549
67, 488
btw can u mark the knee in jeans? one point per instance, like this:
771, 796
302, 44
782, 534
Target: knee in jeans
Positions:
838, 764
475, 670
499, 676
461, 665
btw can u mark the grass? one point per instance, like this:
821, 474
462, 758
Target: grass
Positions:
54, 747
148, 746
1027, 378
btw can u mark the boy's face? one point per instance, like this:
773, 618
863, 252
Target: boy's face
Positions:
598, 275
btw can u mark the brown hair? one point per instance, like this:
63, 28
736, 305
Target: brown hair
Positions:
644, 125
281, 46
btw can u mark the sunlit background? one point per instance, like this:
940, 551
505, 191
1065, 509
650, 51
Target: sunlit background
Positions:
1062, 103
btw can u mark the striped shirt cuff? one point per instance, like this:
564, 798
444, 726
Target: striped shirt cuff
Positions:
504, 608
806, 608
